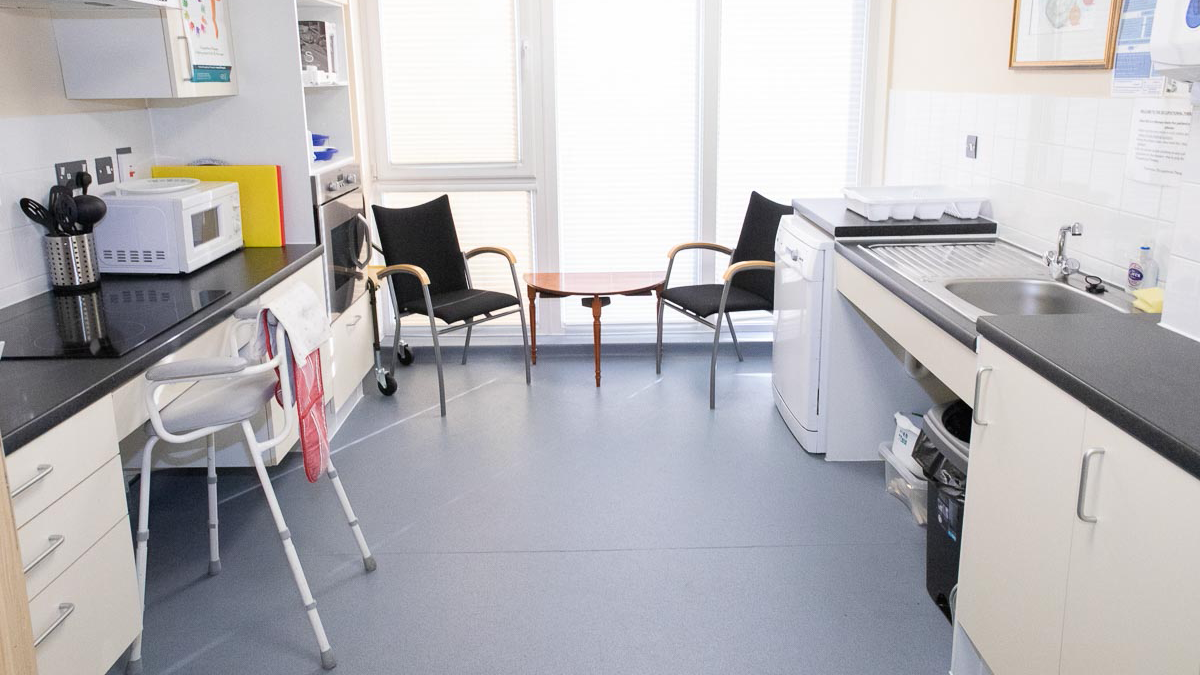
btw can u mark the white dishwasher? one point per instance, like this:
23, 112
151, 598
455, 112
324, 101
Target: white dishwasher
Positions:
801, 260
837, 379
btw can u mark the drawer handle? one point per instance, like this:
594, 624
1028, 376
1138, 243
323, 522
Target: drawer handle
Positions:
64, 610
978, 395
352, 324
43, 470
55, 540
1084, 470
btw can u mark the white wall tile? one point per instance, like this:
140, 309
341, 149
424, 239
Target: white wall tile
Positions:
1076, 173
1187, 222
1107, 179
1082, 114
1181, 307
1191, 162
1168, 208
1112, 124
1140, 198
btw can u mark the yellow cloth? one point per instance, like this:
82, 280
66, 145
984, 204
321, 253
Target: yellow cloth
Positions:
1149, 300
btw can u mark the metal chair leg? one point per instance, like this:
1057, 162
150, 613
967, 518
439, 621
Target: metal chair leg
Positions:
214, 545
524, 328
658, 343
437, 350
368, 559
732, 333
328, 662
467, 344
712, 369
395, 349
134, 666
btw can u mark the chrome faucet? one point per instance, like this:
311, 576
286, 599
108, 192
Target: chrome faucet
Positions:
1060, 265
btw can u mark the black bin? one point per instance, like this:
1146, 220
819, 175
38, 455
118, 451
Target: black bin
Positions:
943, 453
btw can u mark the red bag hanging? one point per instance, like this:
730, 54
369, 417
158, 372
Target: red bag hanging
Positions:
310, 408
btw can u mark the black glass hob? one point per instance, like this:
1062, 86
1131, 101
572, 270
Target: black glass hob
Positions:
112, 320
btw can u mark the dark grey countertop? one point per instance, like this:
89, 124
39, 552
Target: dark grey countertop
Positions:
39, 394
958, 326
832, 216
1140, 376
1136, 374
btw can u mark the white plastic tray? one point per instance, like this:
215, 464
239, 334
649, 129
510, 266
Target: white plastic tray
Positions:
905, 202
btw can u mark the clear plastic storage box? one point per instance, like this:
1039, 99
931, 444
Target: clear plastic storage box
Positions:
906, 486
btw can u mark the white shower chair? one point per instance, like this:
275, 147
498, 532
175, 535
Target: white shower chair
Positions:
228, 391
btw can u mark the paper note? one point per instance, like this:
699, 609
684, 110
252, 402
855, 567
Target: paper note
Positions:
1133, 73
205, 25
1158, 140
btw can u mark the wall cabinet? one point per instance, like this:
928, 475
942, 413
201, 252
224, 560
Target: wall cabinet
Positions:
1065, 570
138, 54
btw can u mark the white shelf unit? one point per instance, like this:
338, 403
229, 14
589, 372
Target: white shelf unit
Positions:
329, 108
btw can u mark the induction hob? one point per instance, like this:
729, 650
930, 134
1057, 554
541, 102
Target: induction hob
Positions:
108, 322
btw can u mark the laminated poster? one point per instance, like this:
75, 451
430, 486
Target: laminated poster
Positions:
1133, 73
206, 27
1158, 140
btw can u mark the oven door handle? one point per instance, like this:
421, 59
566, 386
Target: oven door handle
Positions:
366, 229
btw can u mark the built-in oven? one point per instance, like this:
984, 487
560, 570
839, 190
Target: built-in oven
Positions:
342, 228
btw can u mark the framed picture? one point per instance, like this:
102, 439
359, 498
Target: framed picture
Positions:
1064, 33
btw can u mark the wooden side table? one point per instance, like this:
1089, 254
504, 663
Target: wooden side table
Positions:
598, 285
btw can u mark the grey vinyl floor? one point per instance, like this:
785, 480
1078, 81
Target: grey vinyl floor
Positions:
554, 528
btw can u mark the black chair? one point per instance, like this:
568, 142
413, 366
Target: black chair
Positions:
420, 245
749, 282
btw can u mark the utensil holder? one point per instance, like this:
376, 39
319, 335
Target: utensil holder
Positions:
73, 262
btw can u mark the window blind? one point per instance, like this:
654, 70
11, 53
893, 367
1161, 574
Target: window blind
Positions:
791, 80
450, 81
627, 116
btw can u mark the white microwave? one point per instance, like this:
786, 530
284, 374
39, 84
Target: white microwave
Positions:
173, 232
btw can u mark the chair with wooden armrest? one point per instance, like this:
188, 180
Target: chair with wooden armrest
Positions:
748, 282
428, 274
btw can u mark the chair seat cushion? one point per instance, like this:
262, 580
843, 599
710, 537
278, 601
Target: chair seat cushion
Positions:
464, 305
705, 299
212, 403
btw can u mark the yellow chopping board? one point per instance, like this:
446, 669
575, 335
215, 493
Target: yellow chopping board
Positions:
260, 191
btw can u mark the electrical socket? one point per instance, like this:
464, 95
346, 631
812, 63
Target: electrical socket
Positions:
106, 171
972, 147
64, 172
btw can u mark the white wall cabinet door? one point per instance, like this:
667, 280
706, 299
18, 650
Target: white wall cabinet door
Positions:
1133, 599
1019, 517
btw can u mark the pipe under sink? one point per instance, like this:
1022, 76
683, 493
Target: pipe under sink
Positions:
994, 277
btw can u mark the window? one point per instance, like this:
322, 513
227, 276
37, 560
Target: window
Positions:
627, 116
789, 105
655, 118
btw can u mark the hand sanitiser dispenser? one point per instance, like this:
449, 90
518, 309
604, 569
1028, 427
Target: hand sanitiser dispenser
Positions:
1175, 39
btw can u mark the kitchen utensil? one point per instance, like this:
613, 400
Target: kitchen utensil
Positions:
65, 212
38, 214
91, 209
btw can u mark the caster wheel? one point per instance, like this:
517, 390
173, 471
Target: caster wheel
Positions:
405, 356
388, 386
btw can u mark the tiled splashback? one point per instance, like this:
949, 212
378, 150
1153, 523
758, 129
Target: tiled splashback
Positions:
1044, 161
32, 146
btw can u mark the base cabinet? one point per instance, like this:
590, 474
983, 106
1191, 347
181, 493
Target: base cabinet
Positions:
1080, 544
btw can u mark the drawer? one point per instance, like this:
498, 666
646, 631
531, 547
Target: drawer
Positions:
102, 588
72, 525
352, 352
62, 457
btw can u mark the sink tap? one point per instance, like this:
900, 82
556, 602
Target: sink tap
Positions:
1060, 265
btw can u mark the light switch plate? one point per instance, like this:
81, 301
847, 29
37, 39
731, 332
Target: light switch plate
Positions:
106, 171
972, 146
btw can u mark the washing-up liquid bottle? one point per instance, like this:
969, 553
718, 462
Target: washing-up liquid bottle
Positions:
1143, 271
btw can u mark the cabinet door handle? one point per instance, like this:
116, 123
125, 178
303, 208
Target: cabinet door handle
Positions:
64, 610
978, 395
187, 49
1084, 470
55, 540
43, 470
352, 324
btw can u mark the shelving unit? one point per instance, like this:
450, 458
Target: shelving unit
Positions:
328, 108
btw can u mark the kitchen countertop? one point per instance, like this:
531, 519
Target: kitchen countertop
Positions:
42, 393
1143, 378
1140, 376
832, 216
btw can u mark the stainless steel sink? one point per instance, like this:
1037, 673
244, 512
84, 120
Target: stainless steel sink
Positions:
994, 277
1027, 296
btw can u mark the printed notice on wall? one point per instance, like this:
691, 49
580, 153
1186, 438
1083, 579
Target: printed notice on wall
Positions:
1158, 140
207, 33
1133, 73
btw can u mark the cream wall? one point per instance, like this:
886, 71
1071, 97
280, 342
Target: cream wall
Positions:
31, 80
963, 45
